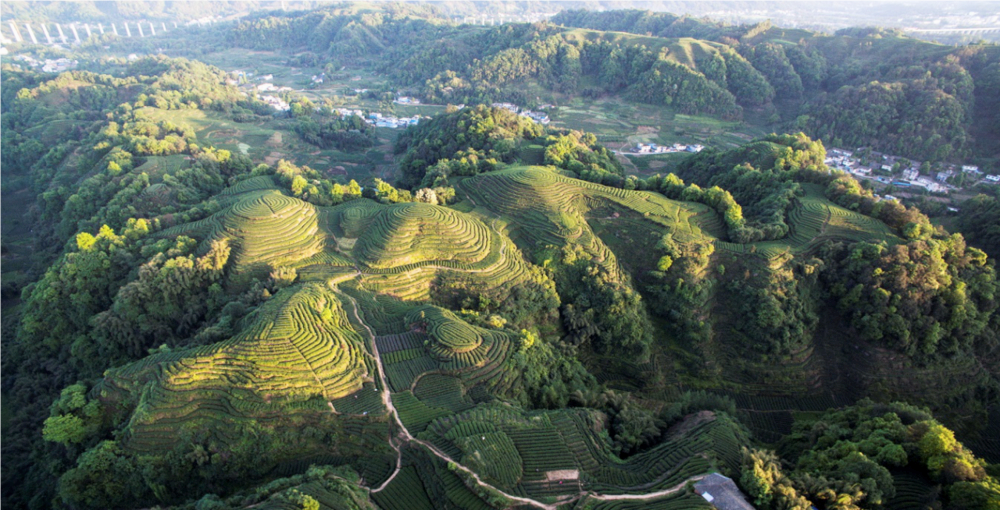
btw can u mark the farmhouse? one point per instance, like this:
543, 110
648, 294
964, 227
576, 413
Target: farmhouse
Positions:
538, 117
507, 106
722, 493
931, 186
993, 178
944, 176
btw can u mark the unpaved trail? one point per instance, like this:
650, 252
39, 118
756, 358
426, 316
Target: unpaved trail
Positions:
405, 437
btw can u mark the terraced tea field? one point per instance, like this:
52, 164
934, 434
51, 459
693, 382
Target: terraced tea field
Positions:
292, 358
813, 220
355, 344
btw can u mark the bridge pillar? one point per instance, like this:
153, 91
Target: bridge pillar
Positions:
61, 34
17, 35
31, 33
45, 30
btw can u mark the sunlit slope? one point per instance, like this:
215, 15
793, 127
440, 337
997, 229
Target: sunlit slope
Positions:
398, 249
401, 249
543, 207
296, 353
813, 220
547, 207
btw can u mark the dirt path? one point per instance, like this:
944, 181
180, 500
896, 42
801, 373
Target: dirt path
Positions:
405, 436
648, 495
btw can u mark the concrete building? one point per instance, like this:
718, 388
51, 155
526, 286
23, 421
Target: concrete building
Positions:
722, 493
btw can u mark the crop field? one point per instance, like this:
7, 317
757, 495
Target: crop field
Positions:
621, 124
290, 358
547, 208
404, 234
554, 453
813, 219
301, 353
494, 455
442, 391
913, 490
416, 415
405, 492
266, 141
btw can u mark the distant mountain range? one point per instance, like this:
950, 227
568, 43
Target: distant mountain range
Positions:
836, 13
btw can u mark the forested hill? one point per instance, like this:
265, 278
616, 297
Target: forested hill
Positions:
219, 298
262, 336
856, 88
859, 87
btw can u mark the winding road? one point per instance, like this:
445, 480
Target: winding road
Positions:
404, 437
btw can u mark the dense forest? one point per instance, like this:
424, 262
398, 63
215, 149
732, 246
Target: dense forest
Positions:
497, 304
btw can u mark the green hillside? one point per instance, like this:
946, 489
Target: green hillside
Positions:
279, 282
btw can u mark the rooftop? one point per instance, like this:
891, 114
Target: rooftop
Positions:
722, 493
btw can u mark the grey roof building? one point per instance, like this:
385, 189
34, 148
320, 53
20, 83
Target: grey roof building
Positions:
722, 493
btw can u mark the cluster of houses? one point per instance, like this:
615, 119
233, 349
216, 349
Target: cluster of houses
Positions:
379, 120
652, 148
845, 160
276, 102
406, 100
270, 87
49, 65
318, 78
389, 121
539, 117
974, 171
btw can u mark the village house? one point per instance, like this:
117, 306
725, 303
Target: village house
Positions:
507, 106
944, 176
276, 103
